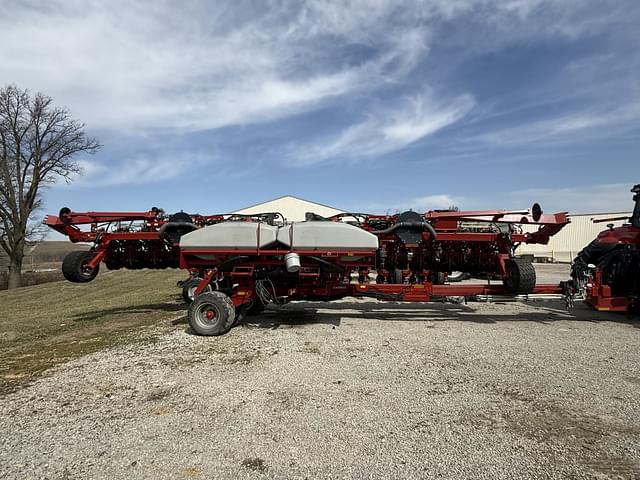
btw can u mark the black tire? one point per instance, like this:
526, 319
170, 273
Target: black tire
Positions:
256, 308
181, 217
522, 276
396, 276
438, 278
62, 215
188, 289
74, 267
113, 264
211, 313
240, 314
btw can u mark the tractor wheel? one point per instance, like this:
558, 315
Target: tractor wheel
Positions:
256, 308
211, 313
74, 267
522, 276
189, 289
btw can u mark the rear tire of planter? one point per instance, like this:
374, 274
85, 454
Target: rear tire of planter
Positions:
522, 276
74, 267
189, 288
211, 313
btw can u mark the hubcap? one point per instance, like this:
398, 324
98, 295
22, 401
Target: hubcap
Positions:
208, 314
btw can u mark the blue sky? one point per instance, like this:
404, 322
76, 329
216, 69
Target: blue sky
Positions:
362, 105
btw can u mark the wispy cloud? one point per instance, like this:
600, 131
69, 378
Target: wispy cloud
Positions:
386, 129
425, 203
195, 68
513, 81
568, 127
610, 197
139, 169
204, 66
596, 96
436, 202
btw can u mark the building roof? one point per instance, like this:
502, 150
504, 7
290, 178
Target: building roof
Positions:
286, 197
600, 214
293, 208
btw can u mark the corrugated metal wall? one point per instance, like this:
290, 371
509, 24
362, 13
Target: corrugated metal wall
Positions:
564, 246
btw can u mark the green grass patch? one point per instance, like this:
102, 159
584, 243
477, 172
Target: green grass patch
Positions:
44, 325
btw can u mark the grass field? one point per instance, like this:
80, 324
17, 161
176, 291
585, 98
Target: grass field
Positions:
43, 325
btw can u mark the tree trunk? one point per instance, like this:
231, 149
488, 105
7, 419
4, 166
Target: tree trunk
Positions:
15, 272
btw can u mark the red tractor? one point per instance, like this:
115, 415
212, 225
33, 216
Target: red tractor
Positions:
607, 271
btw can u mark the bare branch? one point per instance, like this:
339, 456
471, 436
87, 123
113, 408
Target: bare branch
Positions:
38, 145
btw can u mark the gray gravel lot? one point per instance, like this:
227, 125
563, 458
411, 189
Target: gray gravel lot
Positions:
352, 389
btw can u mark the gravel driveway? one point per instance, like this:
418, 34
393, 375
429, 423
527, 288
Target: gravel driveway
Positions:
352, 389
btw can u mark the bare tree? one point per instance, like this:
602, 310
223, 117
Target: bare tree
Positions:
38, 145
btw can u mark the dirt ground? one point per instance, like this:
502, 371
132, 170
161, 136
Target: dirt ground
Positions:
350, 389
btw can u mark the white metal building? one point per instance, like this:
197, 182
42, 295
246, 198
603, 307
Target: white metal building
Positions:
292, 208
562, 247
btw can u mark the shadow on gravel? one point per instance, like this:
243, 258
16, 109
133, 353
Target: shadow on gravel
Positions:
293, 315
100, 314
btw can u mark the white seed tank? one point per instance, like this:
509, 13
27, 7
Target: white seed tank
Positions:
326, 236
314, 235
231, 235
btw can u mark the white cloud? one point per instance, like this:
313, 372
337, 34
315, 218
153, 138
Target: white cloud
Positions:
435, 202
193, 68
578, 125
138, 170
385, 130
203, 65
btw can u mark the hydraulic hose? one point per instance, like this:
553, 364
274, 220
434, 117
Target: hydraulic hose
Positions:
231, 261
410, 225
176, 225
327, 265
